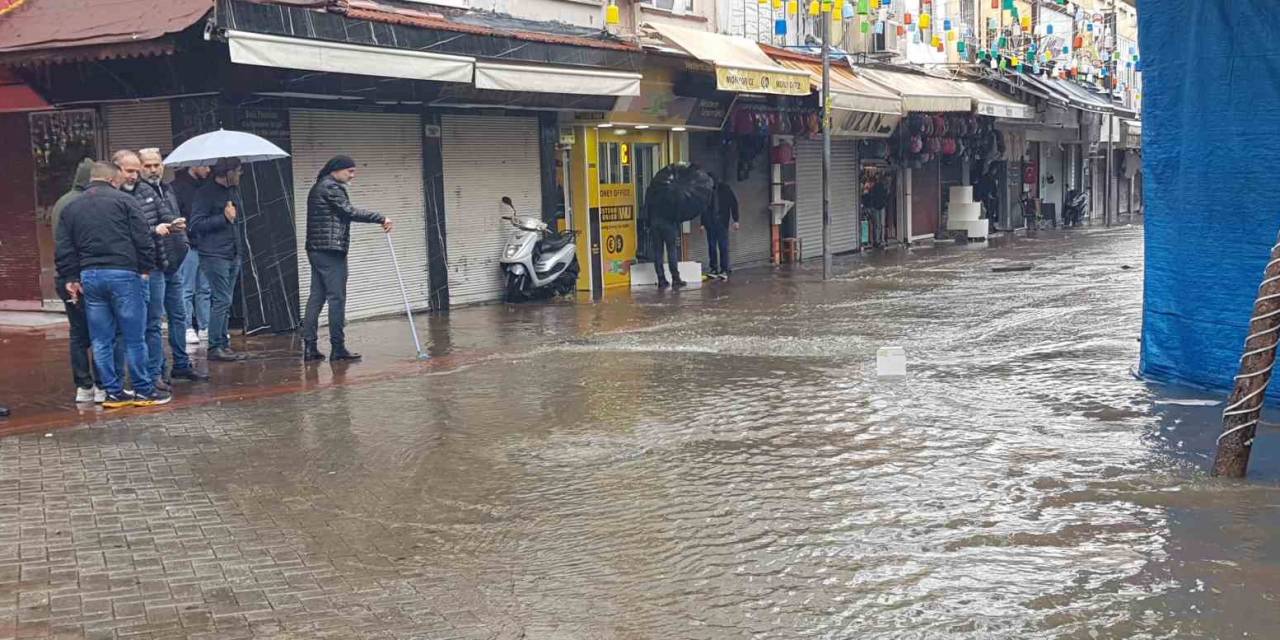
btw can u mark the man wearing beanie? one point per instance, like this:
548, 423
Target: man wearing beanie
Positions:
329, 218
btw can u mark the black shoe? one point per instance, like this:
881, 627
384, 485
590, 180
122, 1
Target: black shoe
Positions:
119, 400
340, 353
189, 374
153, 399
4, 412
679, 284
224, 355
162, 385
311, 352
663, 284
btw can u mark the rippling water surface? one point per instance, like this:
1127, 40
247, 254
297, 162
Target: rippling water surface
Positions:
725, 464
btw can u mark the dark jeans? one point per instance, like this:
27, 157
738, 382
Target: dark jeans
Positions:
666, 237
221, 274
80, 344
718, 248
155, 335
328, 285
175, 309
114, 300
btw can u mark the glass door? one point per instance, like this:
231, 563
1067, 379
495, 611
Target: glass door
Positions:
647, 159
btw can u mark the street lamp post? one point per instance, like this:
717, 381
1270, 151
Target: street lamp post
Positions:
826, 138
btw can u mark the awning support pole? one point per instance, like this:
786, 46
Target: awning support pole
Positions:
826, 139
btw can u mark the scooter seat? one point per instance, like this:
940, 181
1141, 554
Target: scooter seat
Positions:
555, 242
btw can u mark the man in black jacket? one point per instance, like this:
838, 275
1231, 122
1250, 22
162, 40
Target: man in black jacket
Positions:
329, 218
159, 218
195, 288
104, 250
716, 221
171, 250
216, 222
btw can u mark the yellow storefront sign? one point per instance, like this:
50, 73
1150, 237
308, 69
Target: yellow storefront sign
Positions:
618, 232
759, 81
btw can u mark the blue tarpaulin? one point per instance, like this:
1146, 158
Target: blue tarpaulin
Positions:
1211, 154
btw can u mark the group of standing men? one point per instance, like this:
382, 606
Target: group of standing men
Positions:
134, 251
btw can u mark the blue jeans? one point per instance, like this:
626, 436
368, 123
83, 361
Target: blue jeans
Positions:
195, 291
115, 301
177, 314
718, 248
154, 292
222, 275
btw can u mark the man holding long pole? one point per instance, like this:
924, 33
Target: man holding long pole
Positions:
329, 218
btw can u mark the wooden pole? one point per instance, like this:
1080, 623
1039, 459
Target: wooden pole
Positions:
1240, 418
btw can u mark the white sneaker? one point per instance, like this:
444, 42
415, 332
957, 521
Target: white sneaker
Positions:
204, 335
84, 395
99, 395
193, 337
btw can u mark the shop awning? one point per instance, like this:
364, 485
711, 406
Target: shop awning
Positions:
77, 30
555, 79
848, 91
740, 64
266, 50
17, 96
1078, 96
989, 102
1131, 133
920, 92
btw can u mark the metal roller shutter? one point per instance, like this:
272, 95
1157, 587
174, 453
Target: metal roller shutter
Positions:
749, 245
388, 149
844, 196
485, 158
138, 125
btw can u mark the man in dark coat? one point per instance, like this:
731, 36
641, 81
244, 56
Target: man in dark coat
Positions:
217, 224
171, 250
329, 218
104, 251
716, 222
195, 288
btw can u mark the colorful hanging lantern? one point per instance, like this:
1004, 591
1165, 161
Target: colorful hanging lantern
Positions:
935, 41
960, 47
951, 36
780, 27
777, 5
1013, 13
864, 26
1089, 27
611, 14
1002, 42
911, 28
925, 20
864, 7
1048, 29
827, 5
1008, 5
1066, 51
793, 7
946, 24
906, 18
1079, 42
764, 2
995, 4
902, 31
1026, 23
813, 7
875, 4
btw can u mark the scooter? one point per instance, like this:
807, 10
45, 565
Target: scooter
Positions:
538, 261
1077, 209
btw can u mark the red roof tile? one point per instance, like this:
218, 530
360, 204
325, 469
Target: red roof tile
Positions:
57, 24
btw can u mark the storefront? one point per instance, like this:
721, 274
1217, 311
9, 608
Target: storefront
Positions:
748, 175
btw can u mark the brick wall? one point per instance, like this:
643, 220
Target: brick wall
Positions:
19, 250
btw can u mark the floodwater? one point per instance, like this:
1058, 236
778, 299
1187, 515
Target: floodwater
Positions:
724, 463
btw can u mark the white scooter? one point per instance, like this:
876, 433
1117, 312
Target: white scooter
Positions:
538, 261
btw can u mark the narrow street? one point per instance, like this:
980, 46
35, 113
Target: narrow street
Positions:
714, 463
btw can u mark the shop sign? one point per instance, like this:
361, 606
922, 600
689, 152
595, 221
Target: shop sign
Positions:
618, 232
567, 136
1003, 110
759, 81
863, 123
710, 113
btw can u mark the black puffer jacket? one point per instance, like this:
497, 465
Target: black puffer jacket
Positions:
156, 209
330, 214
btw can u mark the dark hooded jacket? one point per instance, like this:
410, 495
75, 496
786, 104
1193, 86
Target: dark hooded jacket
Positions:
103, 229
78, 185
156, 209
330, 214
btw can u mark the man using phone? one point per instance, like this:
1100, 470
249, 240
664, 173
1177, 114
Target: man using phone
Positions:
171, 250
216, 219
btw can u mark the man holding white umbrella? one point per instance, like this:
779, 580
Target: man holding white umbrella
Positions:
216, 219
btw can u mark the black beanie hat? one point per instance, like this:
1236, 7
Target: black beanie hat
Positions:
336, 163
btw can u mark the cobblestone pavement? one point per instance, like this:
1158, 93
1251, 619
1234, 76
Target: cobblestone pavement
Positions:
706, 464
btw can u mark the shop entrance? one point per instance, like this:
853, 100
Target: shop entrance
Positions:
647, 159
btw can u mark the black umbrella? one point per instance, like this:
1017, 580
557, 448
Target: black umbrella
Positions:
679, 192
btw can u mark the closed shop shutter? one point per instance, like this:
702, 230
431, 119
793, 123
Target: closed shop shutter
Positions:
844, 194
749, 246
485, 158
388, 149
138, 125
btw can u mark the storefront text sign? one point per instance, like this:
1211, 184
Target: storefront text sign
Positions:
618, 232
758, 81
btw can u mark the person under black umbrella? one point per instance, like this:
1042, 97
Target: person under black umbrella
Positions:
678, 193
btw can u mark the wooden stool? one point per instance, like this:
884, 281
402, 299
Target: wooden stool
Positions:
790, 250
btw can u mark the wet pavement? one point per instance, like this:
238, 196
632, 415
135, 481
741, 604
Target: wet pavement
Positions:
718, 463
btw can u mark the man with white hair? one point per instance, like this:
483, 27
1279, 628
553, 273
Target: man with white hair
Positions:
171, 249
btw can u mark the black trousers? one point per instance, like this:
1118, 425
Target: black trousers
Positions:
328, 286
82, 370
666, 238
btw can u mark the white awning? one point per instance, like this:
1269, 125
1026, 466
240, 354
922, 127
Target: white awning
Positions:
740, 64
921, 92
989, 102
553, 79
266, 50
848, 91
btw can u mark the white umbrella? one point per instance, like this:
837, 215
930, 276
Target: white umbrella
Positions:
206, 149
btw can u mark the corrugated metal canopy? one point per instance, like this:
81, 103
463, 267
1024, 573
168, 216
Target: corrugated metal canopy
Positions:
989, 102
60, 24
848, 90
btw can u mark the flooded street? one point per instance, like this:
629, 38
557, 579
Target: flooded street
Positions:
714, 463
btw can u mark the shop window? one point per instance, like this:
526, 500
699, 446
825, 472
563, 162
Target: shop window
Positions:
675, 6
615, 163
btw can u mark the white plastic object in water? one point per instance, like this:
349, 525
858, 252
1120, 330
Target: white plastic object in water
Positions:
891, 362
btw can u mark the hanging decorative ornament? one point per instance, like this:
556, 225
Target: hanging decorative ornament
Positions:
793, 7
1066, 51
813, 7
827, 6
1013, 13
864, 7
777, 5
902, 31
875, 4
780, 27
1048, 54
1079, 43
911, 28
1048, 29
1026, 23
946, 24
1002, 42
845, 9
764, 2
1008, 4
951, 36
611, 14
864, 26
935, 41
1089, 27
995, 4
925, 20
1015, 60
906, 18
960, 47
